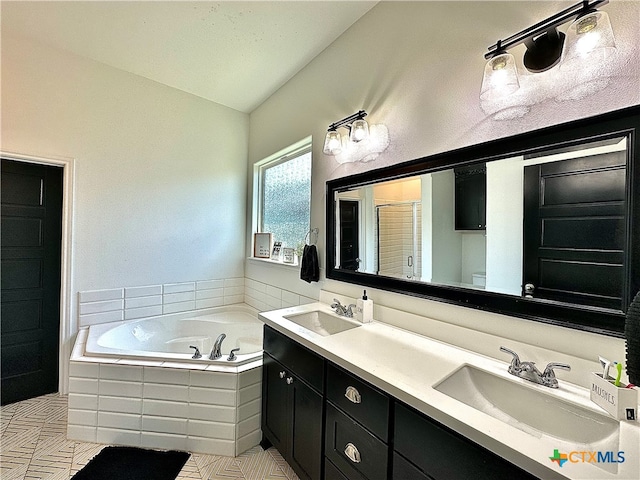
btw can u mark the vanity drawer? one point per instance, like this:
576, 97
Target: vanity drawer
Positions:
297, 358
360, 400
354, 450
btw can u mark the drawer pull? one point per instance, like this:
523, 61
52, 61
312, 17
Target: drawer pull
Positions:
353, 395
352, 452
289, 381
282, 374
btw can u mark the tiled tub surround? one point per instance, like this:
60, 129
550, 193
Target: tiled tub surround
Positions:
127, 303
212, 409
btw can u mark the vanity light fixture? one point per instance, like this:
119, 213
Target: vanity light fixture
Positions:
589, 35
358, 131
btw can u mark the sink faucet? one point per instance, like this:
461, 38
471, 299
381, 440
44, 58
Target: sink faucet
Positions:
215, 352
529, 371
341, 309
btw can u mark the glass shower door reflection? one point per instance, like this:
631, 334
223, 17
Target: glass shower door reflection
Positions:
398, 235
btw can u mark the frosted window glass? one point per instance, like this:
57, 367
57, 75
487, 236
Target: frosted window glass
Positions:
286, 207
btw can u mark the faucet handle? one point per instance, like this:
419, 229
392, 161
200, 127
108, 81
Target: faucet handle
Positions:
562, 366
197, 353
232, 354
514, 368
349, 310
549, 376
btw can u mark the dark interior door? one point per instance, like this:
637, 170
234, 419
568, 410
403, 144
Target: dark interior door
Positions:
349, 232
574, 230
30, 294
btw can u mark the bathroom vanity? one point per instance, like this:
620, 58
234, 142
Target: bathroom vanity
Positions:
374, 401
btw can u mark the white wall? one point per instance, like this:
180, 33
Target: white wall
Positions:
410, 68
160, 175
504, 225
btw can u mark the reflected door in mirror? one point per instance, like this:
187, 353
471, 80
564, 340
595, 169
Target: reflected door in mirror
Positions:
348, 212
574, 229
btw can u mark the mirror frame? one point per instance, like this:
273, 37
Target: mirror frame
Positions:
625, 122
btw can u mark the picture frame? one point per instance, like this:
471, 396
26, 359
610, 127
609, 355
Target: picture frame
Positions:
277, 248
288, 255
262, 245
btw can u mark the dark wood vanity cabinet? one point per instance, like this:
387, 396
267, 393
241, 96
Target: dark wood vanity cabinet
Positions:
471, 197
344, 428
292, 403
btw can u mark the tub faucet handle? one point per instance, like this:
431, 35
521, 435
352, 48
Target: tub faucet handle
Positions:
232, 355
197, 353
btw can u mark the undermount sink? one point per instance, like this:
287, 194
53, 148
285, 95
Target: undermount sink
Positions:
528, 408
322, 323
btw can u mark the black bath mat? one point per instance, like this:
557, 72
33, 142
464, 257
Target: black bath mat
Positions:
129, 463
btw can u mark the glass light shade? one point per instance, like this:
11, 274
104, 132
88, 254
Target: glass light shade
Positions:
332, 143
589, 42
359, 130
500, 77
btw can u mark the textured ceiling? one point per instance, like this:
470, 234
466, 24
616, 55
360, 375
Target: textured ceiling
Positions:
234, 53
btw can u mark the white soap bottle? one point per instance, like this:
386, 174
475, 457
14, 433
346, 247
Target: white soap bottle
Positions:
364, 309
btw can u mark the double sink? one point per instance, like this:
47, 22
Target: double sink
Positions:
516, 402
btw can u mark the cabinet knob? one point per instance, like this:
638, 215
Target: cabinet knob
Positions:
282, 374
353, 395
352, 452
289, 380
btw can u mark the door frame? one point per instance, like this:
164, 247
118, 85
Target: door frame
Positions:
68, 327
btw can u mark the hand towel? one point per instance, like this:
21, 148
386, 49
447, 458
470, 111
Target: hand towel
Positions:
310, 270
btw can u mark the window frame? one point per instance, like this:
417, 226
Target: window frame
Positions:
302, 147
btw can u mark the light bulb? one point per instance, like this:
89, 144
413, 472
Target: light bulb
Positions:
500, 77
590, 41
332, 143
359, 130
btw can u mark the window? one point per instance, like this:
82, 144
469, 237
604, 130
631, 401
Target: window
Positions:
284, 203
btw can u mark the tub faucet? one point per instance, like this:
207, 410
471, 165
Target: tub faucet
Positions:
217, 346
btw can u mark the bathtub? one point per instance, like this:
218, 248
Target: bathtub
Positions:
134, 383
170, 339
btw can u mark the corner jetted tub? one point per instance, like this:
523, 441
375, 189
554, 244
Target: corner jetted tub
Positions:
135, 383
170, 339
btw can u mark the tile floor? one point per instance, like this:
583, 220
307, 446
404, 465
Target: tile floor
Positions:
34, 445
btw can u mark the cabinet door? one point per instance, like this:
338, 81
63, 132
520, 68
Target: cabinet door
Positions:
306, 429
403, 470
275, 415
471, 193
444, 454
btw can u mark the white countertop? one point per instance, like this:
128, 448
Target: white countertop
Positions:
407, 366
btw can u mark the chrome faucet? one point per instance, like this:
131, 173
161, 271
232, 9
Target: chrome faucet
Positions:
529, 371
217, 346
341, 309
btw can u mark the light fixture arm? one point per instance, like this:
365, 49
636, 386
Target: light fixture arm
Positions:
548, 25
347, 121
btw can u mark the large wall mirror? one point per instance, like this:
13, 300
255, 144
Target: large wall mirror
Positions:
544, 225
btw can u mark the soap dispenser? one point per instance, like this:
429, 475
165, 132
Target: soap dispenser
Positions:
364, 308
